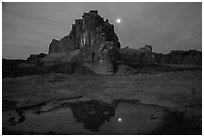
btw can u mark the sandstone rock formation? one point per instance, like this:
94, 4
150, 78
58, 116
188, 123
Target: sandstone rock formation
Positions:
145, 55
94, 39
137, 56
35, 58
191, 57
92, 31
93, 45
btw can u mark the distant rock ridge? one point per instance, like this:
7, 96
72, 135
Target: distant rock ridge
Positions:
191, 57
137, 56
145, 55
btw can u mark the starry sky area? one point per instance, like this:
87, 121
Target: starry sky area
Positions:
28, 28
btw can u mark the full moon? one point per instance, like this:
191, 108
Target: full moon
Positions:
119, 119
118, 21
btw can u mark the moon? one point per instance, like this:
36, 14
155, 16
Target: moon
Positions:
118, 21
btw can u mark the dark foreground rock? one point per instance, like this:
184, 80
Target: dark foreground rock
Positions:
180, 92
10, 67
16, 68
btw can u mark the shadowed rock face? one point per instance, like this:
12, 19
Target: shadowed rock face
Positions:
35, 58
91, 31
145, 55
191, 57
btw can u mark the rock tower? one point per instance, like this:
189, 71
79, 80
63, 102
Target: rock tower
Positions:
94, 40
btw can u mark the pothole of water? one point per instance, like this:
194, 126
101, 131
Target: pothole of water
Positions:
86, 117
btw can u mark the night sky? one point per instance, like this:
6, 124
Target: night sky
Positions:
28, 28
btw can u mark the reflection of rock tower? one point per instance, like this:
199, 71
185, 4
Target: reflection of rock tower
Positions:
92, 114
96, 41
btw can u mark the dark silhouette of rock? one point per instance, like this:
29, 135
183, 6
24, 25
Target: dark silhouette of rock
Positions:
13, 68
137, 56
21, 119
10, 67
160, 58
153, 116
191, 57
94, 40
54, 46
35, 58
12, 121
91, 31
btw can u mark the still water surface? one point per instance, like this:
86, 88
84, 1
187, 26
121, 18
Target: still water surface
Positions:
86, 117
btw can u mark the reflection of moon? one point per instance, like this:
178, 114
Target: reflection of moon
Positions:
118, 21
